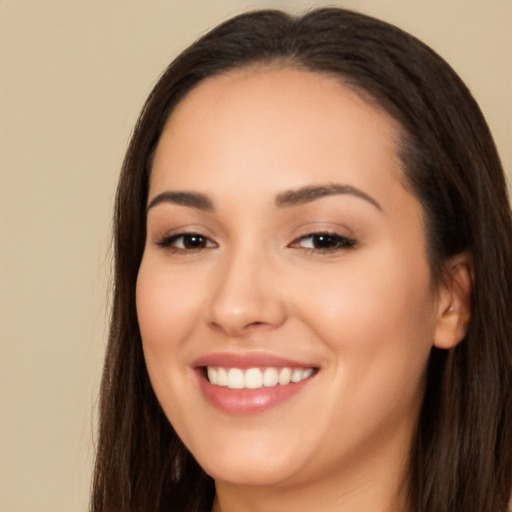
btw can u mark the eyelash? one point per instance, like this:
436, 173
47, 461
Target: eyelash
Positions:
168, 241
333, 242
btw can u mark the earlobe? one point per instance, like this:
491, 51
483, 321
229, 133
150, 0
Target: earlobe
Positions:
454, 306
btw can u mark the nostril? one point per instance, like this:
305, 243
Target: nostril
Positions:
237, 310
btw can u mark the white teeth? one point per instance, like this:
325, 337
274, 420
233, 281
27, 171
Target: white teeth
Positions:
213, 375
235, 378
285, 376
297, 375
307, 373
255, 378
270, 377
222, 377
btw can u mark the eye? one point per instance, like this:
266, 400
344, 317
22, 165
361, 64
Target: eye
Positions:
186, 242
324, 242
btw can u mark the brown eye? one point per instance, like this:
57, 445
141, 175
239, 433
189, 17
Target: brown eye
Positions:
187, 242
194, 241
324, 242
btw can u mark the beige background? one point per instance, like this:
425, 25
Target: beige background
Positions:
73, 76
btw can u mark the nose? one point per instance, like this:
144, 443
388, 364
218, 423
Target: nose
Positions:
246, 296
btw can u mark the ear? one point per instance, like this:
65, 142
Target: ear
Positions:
454, 302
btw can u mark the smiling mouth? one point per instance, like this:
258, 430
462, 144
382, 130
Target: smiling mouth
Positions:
256, 378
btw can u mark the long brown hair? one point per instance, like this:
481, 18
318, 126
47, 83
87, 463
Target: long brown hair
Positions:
461, 458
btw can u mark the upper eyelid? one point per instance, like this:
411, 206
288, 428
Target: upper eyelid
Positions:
318, 228
333, 234
187, 229
324, 232
167, 240
180, 234
301, 232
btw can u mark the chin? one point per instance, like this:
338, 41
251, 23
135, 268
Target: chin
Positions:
241, 467
242, 474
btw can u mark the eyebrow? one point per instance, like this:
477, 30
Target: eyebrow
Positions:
190, 199
311, 193
285, 199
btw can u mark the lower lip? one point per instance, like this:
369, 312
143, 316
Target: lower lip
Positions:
248, 401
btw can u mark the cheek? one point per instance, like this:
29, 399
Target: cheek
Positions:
378, 326
165, 306
374, 315
166, 310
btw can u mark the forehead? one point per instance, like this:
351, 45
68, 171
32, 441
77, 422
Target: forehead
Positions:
265, 93
286, 120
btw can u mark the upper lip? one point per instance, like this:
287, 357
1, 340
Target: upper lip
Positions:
248, 360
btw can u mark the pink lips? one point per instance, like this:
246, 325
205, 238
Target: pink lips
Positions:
247, 401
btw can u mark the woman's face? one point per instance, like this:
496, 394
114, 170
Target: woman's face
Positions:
282, 244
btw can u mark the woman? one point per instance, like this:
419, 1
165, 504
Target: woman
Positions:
312, 299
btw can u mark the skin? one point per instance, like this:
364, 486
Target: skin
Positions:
365, 315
